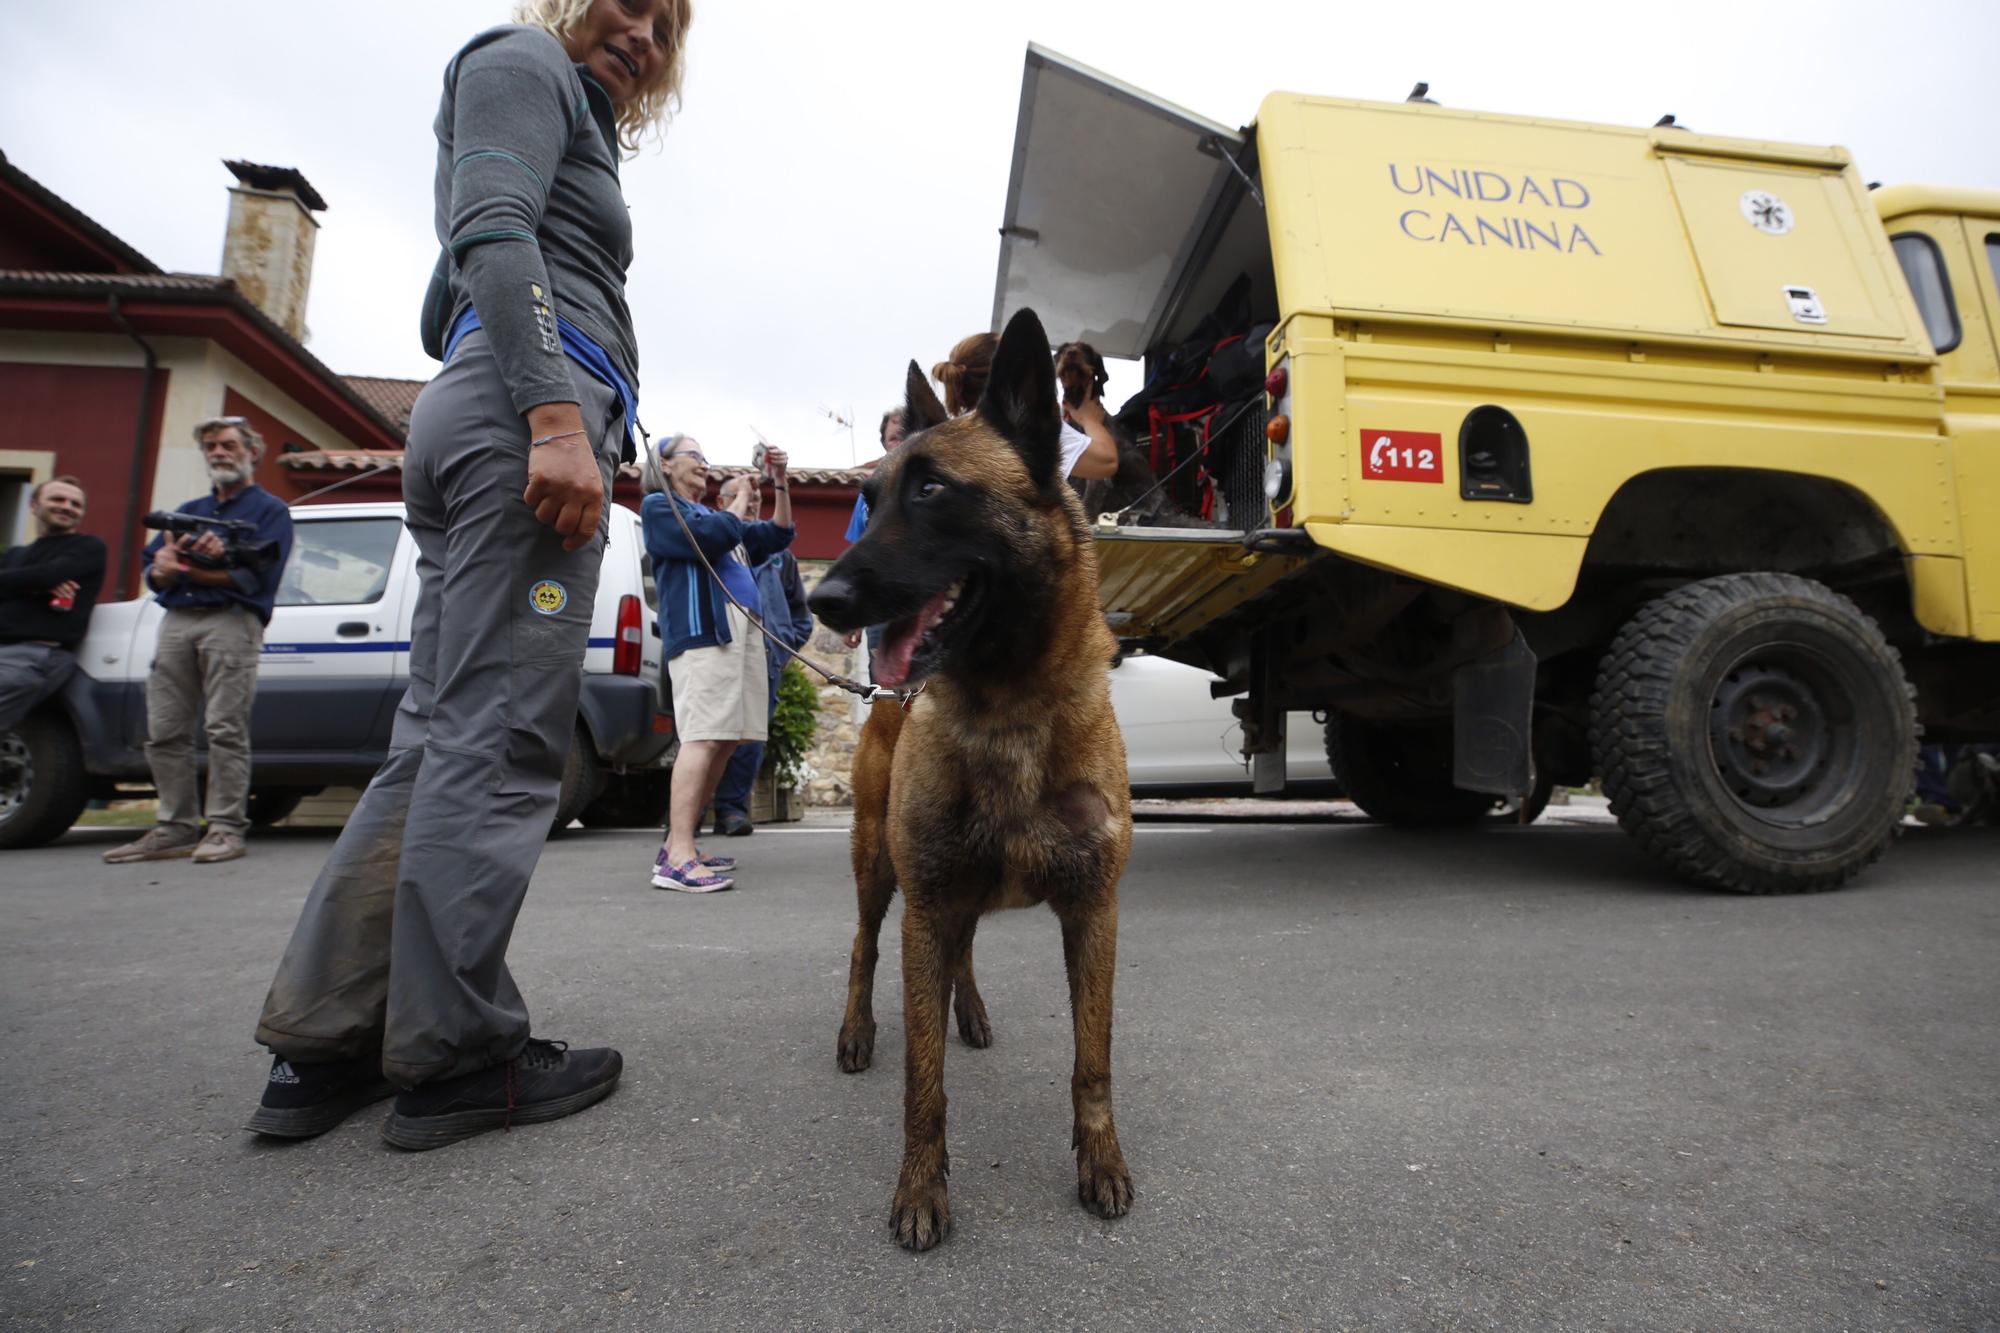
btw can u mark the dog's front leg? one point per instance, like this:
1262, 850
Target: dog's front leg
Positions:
1090, 955
921, 1214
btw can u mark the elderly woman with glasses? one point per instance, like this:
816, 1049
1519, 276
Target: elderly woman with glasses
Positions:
396, 976
702, 559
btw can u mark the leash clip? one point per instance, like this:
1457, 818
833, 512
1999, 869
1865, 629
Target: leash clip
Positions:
903, 697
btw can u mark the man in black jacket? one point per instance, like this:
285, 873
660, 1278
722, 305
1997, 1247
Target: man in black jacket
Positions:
47, 590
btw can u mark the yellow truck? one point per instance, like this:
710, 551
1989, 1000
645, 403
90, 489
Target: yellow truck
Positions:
1586, 451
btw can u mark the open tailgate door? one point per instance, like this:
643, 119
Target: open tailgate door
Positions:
1108, 195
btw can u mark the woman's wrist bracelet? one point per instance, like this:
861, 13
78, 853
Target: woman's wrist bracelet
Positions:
559, 435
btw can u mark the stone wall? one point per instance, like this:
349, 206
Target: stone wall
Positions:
840, 713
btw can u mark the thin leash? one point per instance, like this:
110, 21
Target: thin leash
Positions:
375, 471
870, 693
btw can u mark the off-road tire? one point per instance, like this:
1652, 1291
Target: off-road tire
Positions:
1400, 773
57, 787
582, 779
1706, 768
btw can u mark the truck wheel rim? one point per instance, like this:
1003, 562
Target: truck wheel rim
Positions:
1781, 737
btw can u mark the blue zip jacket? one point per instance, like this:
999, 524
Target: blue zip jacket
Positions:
692, 606
252, 504
785, 614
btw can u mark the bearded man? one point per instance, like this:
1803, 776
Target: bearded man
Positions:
206, 662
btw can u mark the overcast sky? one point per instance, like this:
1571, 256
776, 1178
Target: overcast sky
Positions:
826, 207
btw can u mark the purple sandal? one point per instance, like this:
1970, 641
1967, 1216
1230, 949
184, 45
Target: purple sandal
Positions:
689, 877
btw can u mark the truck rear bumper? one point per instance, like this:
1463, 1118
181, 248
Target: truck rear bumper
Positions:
623, 714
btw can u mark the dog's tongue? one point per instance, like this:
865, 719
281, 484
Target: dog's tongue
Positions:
900, 639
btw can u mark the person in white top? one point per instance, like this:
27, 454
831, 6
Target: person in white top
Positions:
1089, 453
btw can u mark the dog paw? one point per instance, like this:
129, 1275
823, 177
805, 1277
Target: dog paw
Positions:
1103, 1183
857, 1047
972, 1023
921, 1214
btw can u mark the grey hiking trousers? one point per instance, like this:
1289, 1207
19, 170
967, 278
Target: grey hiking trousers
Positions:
403, 941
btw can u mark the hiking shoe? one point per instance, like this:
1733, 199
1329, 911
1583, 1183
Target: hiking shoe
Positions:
735, 824
219, 845
162, 842
691, 877
304, 1100
546, 1081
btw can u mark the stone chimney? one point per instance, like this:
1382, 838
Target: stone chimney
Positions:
268, 249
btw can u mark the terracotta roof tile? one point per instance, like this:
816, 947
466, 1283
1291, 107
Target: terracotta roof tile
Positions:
149, 282
392, 398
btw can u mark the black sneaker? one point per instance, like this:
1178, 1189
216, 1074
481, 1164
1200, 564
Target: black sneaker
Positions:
546, 1081
304, 1100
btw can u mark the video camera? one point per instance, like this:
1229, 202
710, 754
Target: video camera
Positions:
242, 555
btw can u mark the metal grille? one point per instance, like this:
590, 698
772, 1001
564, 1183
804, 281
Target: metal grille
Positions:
1237, 463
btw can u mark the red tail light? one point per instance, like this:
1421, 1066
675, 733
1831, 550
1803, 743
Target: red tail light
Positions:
631, 636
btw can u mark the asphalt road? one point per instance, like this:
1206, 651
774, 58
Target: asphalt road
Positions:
1365, 1080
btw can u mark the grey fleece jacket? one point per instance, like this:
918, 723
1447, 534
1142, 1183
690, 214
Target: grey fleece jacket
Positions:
529, 212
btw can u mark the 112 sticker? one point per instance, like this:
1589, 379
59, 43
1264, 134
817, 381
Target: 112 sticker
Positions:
1402, 455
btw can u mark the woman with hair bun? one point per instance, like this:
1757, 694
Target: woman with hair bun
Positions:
1089, 453
396, 976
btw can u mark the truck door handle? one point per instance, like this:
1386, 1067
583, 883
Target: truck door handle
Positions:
352, 629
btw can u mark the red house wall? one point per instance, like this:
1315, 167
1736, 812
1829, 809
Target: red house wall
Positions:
87, 415
279, 481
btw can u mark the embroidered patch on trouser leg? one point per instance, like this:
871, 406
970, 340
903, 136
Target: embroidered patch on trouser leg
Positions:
548, 597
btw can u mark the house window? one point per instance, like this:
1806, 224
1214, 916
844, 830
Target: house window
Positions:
1924, 268
339, 561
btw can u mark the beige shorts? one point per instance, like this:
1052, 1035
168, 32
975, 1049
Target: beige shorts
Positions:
720, 693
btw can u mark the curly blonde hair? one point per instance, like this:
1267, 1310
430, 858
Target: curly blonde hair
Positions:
652, 109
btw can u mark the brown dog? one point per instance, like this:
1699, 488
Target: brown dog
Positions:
1004, 783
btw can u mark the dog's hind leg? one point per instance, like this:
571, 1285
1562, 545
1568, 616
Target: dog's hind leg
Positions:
874, 886
1090, 955
966, 1003
921, 1212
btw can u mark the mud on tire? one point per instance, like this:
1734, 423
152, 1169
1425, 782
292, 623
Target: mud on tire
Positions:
1755, 733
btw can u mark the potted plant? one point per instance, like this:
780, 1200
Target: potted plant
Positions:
794, 724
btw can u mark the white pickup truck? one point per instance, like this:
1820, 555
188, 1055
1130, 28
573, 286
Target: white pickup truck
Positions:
335, 664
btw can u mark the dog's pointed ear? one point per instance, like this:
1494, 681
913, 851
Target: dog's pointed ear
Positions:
921, 408
1020, 398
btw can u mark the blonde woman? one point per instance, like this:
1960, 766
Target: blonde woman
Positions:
396, 976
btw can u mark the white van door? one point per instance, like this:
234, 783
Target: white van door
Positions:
335, 637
